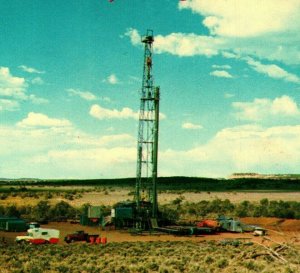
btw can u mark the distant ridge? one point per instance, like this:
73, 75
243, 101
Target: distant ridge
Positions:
20, 179
264, 176
248, 181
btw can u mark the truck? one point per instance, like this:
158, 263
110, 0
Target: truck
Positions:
258, 231
80, 235
39, 236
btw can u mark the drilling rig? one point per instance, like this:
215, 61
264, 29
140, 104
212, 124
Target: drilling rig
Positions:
144, 207
147, 148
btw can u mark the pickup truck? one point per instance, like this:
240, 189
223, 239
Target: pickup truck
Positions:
79, 236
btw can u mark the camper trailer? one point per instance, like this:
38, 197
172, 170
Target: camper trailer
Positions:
40, 236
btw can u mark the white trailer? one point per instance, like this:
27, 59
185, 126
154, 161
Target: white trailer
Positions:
40, 236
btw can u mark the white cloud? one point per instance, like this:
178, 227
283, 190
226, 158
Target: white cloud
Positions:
99, 112
31, 69
273, 71
182, 44
112, 79
41, 120
11, 86
265, 29
220, 74
37, 80
64, 152
191, 126
225, 66
9, 105
86, 95
134, 36
245, 18
229, 55
187, 44
14, 89
263, 108
238, 149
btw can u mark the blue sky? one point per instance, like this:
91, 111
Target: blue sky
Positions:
70, 76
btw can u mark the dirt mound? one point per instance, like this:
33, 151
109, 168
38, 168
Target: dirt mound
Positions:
273, 223
291, 225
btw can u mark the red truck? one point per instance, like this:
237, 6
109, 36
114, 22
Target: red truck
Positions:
80, 236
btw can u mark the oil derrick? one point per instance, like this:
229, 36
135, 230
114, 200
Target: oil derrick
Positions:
147, 146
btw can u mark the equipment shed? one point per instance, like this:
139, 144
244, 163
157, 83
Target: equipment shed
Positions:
12, 224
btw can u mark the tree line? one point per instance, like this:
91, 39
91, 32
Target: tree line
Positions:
177, 183
263, 208
178, 209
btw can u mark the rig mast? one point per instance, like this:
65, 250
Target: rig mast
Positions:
147, 146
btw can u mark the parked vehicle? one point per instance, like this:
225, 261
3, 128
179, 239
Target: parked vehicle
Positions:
80, 236
33, 225
209, 223
258, 231
40, 236
230, 224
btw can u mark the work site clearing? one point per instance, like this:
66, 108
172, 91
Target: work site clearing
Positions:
278, 230
128, 251
278, 252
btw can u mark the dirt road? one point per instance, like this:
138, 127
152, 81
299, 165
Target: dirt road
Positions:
279, 230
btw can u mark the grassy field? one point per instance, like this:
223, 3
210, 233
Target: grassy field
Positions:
148, 257
110, 196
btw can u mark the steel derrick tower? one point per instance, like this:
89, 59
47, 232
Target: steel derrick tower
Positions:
147, 146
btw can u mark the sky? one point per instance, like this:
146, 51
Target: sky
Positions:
70, 82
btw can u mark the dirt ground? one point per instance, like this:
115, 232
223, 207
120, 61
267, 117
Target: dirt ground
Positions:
279, 230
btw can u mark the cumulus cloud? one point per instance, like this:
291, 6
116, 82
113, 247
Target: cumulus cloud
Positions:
134, 36
14, 90
259, 109
86, 95
191, 126
64, 152
244, 148
273, 71
9, 105
11, 86
265, 29
182, 44
245, 18
31, 69
220, 74
42, 120
100, 112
